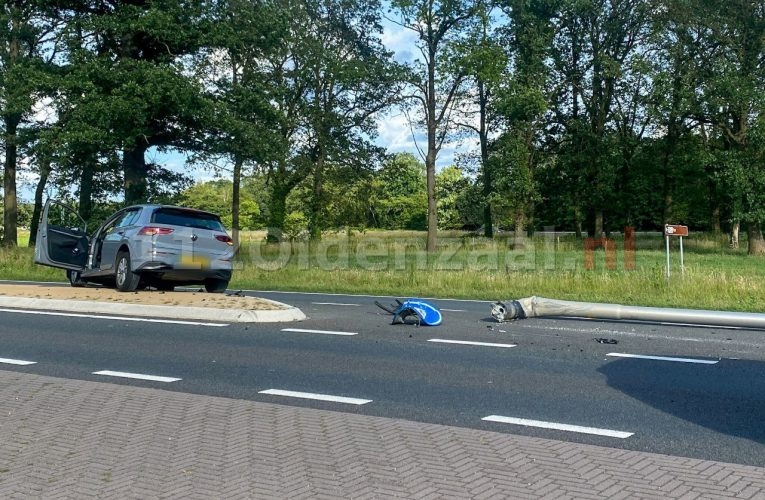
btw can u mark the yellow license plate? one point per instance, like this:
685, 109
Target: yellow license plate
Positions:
196, 261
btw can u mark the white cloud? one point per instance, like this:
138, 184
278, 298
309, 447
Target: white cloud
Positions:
401, 41
43, 111
395, 134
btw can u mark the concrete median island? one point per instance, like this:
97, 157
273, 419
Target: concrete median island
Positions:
188, 303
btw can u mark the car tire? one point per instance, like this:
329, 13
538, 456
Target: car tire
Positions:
75, 278
124, 277
216, 285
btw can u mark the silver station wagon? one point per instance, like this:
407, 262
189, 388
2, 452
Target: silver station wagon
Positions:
162, 246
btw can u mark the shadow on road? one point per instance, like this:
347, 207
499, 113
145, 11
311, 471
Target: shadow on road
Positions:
728, 397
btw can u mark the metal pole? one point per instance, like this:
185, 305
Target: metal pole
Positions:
537, 307
682, 266
667, 238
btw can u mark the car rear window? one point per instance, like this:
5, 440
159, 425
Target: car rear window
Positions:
187, 218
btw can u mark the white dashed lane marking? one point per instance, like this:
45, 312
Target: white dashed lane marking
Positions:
318, 397
558, 426
663, 358
470, 342
19, 362
139, 376
325, 332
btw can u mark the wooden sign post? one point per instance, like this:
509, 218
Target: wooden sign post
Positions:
675, 230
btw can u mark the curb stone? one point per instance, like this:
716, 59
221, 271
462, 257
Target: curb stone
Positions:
285, 312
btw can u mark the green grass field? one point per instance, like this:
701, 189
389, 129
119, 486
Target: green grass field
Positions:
395, 264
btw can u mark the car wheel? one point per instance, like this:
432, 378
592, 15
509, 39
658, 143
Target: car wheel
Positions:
125, 279
215, 285
75, 278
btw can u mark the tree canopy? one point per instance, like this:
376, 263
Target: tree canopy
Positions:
586, 115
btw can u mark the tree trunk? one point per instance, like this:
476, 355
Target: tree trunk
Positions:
314, 222
756, 241
483, 136
430, 166
10, 204
12, 119
716, 222
598, 228
734, 232
668, 203
488, 222
237, 181
86, 189
134, 166
37, 211
430, 157
594, 222
277, 210
578, 229
520, 225
578, 226
670, 147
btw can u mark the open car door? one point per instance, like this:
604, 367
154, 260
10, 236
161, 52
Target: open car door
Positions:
62, 238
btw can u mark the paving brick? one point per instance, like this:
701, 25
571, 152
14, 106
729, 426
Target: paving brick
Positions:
749, 492
78, 439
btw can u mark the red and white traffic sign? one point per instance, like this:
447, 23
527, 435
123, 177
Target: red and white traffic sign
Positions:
675, 230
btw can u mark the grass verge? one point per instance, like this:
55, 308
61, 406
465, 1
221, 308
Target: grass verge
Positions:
396, 264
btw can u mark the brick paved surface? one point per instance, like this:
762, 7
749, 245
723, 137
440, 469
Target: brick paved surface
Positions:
64, 438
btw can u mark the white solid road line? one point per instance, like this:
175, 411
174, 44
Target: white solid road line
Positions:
557, 426
663, 358
19, 362
334, 304
139, 376
364, 295
469, 342
319, 397
454, 310
325, 332
121, 318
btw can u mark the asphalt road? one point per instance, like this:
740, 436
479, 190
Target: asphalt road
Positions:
555, 378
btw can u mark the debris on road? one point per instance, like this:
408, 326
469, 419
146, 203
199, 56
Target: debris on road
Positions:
424, 312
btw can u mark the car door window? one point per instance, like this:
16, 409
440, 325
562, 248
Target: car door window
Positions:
63, 239
129, 218
63, 217
126, 219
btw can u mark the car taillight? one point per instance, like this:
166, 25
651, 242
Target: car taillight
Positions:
153, 230
224, 238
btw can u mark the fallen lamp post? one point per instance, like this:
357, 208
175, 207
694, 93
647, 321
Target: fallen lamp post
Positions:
536, 307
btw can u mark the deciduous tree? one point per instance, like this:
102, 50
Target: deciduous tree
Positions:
27, 28
438, 25
129, 60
